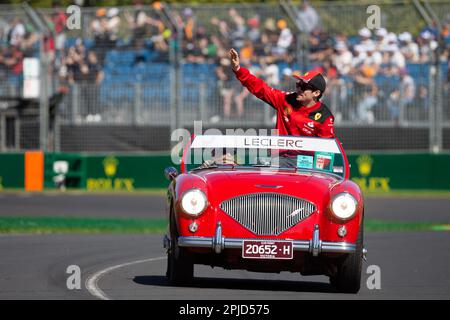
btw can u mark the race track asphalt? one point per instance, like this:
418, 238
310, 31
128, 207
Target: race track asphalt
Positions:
414, 265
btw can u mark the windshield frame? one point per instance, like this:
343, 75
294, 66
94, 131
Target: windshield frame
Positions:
345, 165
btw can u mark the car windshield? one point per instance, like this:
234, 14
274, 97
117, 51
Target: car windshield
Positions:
278, 152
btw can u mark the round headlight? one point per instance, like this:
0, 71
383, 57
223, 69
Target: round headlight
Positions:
193, 202
344, 206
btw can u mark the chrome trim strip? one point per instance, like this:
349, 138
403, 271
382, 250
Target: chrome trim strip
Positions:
218, 240
315, 242
236, 243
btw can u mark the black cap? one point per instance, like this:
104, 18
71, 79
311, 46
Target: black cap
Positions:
314, 78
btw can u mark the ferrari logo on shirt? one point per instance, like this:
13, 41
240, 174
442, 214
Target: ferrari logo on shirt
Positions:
287, 110
317, 116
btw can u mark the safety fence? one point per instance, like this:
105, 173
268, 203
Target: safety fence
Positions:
129, 76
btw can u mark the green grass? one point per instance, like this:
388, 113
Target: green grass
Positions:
64, 225
399, 226
42, 225
409, 194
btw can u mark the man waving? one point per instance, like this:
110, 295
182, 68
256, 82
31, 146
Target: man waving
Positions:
299, 113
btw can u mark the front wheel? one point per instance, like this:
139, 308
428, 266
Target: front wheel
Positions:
180, 267
348, 277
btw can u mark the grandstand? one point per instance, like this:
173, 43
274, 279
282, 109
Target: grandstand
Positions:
155, 69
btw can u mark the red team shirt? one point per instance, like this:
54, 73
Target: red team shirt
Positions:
292, 119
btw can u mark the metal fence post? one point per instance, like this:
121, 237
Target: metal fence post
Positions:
75, 102
302, 46
175, 55
439, 110
43, 98
3, 132
137, 110
202, 102
44, 89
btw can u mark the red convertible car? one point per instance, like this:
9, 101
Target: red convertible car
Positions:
265, 204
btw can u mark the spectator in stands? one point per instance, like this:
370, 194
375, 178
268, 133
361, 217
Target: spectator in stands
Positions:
269, 71
320, 45
113, 25
87, 74
373, 57
239, 29
222, 30
59, 21
427, 45
408, 47
16, 33
99, 31
11, 58
330, 72
381, 39
402, 98
94, 78
137, 22
359, 55
366, 92
365, 37
423, 100
208, 50
160, 36
308, 18
226, 86
285, 40
254, 33
343, 58
395, 61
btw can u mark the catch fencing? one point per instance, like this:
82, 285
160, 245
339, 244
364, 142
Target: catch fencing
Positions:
129, 76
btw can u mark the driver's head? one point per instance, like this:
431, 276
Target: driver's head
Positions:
226, 159
223, 156
310, 86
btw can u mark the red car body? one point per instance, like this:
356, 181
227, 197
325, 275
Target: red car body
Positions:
215, 237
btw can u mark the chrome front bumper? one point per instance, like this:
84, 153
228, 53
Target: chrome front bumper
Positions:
218, 243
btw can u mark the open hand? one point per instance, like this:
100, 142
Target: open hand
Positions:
234, 58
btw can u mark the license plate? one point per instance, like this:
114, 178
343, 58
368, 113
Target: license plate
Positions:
252, 249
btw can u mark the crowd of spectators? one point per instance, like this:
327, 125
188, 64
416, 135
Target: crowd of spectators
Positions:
352, 64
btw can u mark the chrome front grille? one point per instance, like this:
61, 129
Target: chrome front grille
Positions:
267, 213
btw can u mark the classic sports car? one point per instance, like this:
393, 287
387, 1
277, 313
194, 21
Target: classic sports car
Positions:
265, 204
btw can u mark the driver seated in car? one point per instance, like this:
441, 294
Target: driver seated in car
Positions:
219, 158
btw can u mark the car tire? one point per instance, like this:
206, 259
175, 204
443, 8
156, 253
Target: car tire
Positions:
180, 267
348, 277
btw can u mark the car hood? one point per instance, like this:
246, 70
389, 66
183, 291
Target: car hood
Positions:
222, 184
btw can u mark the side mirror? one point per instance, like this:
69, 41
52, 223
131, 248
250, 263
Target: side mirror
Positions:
170, 173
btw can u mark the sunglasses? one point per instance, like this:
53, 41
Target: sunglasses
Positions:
304, 86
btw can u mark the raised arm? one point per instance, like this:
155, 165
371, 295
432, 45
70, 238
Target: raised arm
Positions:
256, 86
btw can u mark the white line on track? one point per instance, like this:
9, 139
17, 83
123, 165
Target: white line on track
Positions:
92, 281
